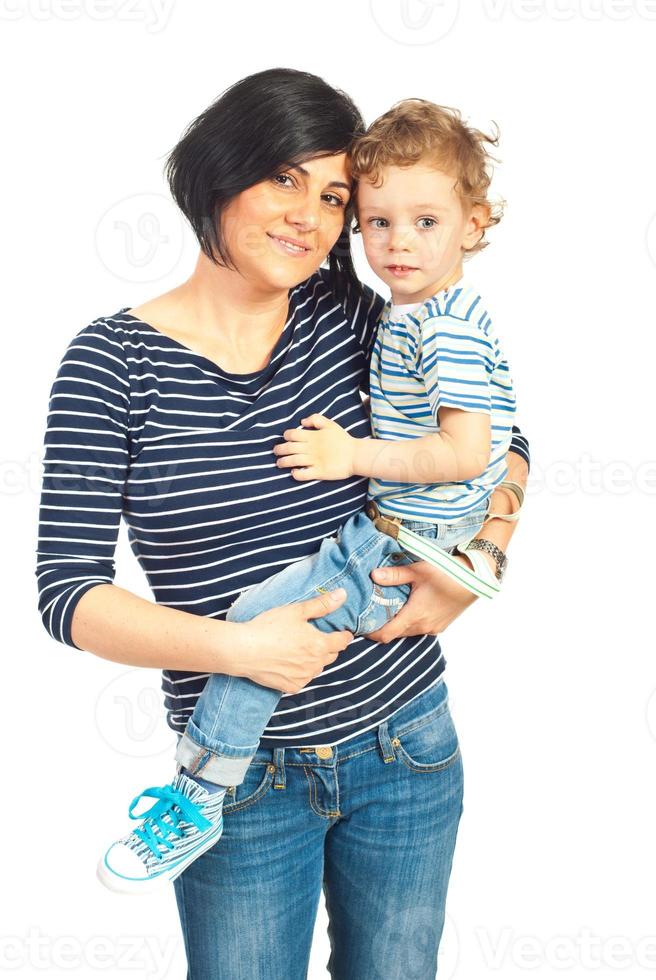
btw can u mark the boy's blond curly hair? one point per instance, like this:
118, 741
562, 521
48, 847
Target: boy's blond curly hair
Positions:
416, 130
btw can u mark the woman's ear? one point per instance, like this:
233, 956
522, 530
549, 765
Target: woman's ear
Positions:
479, 218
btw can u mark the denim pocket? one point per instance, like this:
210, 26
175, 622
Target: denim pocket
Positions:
431, 745
426, 528
472, 520
386, 600
395, 558
253, 787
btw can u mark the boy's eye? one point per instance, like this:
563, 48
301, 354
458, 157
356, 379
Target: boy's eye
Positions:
427, 223
378, 222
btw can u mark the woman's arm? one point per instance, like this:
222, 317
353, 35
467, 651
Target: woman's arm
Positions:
436, 600
279, 648
118, 625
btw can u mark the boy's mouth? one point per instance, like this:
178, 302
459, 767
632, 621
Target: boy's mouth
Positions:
401, 270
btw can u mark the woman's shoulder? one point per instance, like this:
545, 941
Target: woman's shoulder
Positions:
93, 368
354, 294
358, 302
110, 327
100, 350
125, 334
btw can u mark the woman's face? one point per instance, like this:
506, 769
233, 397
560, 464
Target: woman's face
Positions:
279, 231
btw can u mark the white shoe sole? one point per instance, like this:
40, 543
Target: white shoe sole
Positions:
144, 886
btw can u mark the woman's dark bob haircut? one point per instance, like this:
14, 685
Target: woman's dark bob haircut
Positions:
255, 129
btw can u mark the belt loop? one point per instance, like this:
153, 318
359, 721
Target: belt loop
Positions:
279, 781
386, 747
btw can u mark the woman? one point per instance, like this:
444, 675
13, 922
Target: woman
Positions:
168, 413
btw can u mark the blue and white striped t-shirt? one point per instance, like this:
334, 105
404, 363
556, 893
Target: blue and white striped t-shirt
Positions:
143, 428
439, 353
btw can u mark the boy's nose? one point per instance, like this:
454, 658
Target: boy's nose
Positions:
399, 240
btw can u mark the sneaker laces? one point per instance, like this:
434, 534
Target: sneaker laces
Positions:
165, 816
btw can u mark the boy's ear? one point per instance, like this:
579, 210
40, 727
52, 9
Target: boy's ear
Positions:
479, 218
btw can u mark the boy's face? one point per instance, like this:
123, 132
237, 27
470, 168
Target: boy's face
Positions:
414, 229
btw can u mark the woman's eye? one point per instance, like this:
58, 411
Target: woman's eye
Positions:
427, 223
334, 200
280, 178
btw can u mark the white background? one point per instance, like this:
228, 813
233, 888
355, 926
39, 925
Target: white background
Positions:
552, 687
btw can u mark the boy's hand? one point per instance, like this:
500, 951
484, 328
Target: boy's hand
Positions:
325, 454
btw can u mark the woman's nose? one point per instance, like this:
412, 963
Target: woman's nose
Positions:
304, 216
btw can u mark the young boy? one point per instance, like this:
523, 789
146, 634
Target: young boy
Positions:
442, 407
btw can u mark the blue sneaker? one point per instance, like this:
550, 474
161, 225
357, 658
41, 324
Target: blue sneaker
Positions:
182, 825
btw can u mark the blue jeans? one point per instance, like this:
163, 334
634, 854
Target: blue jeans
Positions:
372, 820
231, 713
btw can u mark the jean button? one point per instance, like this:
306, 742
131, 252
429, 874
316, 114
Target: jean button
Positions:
396, 556
324, 751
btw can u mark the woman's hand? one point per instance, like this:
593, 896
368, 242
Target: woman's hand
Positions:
435, 600
279, 648
325, 452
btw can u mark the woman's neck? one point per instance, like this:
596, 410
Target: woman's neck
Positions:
217, 313
225, 308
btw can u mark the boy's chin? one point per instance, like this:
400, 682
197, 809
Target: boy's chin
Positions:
405, 293
402, 287
407, 289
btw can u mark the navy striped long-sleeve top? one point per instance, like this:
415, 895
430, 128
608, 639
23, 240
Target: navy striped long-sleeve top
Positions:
140, 425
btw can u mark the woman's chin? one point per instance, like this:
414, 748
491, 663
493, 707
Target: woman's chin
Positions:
286, 274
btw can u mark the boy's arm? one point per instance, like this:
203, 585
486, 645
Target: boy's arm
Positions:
452, 358
460, 451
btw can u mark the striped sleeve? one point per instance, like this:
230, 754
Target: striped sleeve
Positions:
455, 358
519, 445
85, 467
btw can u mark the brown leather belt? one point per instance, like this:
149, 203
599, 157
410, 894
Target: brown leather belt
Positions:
388, 525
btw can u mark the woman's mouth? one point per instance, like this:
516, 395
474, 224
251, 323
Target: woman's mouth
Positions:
290, 246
